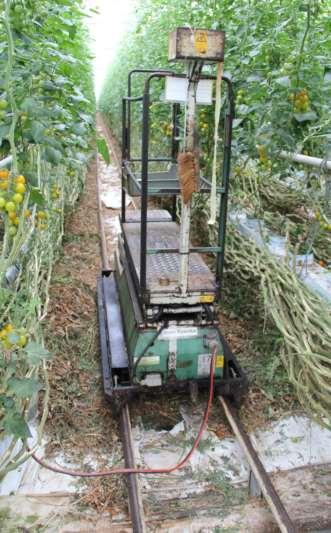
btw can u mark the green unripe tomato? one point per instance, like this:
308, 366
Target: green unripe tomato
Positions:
12, 231
18, 198
18, 8
22, 341
10, 206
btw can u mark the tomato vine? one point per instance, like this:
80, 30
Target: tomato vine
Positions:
46, 141
273, 49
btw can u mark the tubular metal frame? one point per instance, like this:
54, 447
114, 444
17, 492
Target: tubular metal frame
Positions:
223, 189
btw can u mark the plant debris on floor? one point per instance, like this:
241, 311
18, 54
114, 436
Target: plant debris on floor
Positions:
80, 420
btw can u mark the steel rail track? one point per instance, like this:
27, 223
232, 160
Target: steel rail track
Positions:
269, 492
135, 500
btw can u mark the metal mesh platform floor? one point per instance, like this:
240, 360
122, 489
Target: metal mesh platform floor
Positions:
163, 268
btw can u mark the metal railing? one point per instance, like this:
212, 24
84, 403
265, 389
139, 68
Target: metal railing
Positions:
143, 184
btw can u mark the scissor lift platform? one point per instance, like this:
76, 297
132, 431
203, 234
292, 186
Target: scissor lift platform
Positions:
158, 319
163, 267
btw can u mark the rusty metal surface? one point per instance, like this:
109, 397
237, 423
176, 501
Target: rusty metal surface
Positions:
163, 268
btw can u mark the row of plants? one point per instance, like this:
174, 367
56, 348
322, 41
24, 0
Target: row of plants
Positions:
46, 134
277, 55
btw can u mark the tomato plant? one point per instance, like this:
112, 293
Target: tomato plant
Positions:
46, 128
277, 54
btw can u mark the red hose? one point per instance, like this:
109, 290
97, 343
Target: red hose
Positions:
103, 473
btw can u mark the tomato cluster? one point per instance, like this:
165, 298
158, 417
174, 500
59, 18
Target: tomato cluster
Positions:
263, 156
300, 101
167, 128
41, 220
55, 192
12, 193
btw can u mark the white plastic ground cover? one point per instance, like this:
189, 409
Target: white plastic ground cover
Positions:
12, 481
112, 198
315, 277
32, 479
291, 442
29, 475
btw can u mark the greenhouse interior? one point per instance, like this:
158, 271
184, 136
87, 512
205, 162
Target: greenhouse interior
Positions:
165, 267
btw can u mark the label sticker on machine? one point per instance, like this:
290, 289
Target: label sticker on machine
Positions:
201, 41
178, 332
207, 298
204, 363
148, 360
176, 90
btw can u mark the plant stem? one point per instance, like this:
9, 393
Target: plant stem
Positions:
303, 42
9, 87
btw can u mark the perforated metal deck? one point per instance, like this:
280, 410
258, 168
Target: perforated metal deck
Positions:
163, 268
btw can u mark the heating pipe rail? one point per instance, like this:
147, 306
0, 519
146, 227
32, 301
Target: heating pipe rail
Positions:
268, 490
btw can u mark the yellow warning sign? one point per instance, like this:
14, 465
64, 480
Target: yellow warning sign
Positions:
206, 298
219, 361
201, 42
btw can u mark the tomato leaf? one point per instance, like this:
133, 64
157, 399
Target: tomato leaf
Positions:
103, 150
30, 105
36, 196
72, 31
23, 387
237, 122
14, 424
7, 401
52, 155
37, 132
305, 117
36, 353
